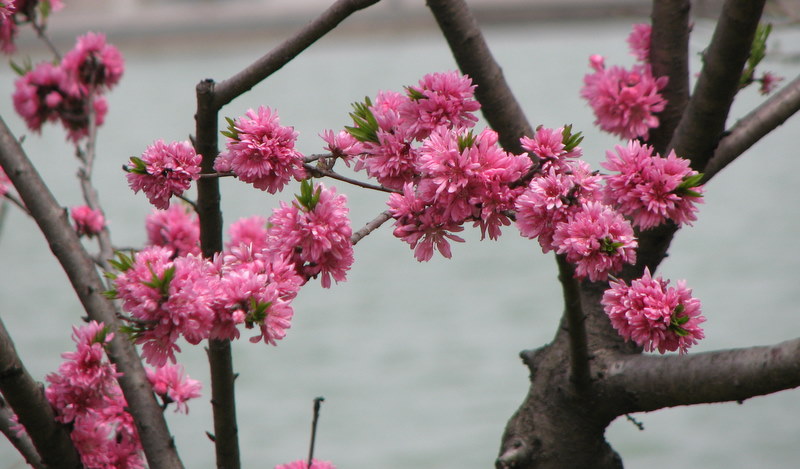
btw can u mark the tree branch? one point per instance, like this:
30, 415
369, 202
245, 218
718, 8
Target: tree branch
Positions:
79, 267
579, 349
753, 127
671, 25
382, 218
474, 58
22, 443
651, 382
703, 122
243, 81
51, 440
320, 172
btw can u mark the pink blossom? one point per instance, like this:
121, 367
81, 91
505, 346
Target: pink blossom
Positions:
769, 82
548, 146
8, 26
261, 151
5, 183
39, 93
303, 464
391, 159
172, 385
177, 228
440, 99
654, 315
639, 42
164, 170
342, 145
651, 189
421, 225
551, 198
316, 237
597, 240
88, 222
624, 101
250, 231
167, 299
93, 64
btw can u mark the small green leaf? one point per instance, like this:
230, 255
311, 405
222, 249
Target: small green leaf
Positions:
570, 140
366, 126
414, 94
232, 132
139, 166
308, 197
465, 141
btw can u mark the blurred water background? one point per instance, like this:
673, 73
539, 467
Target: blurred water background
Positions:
418, 362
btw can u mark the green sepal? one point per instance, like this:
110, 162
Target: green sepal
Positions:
609, 246
139, 166
133, 332
414, 94
122, 263
232, 133
308, 197
161, 283
465, 141
366, 126
684, 189
101, 335
23, 69
570, 140
111, 294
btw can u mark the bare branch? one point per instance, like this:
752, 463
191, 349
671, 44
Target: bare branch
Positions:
243, 81
578, 346
26, 397
79, 267
703, 122
472, 54
651, 382
320, 172
753, 127
22, 443
370, 227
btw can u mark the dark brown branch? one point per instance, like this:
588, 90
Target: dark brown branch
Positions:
226, 433
753, 127
243, 81
472, 54
370, 227
703, 122
652, 382
319, 172
79, 267
22, 443
578, 346
26, 397
670, 58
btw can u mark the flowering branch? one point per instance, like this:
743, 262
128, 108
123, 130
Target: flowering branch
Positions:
27, 399
22, 443
650, 382
370, 227
499, 106
671, 27
754, 126
79, 267
278, 57
319, 172
702, 124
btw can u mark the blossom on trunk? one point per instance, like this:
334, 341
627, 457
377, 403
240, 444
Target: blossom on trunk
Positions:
653, 314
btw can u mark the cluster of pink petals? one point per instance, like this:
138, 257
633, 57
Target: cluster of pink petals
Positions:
251, 231
85, 395
316, 240
769, 82
88, 222
170, 383
164, 170
45, 94
8, 26
93, 64
548, 147
440, 99
624, 101
303, 464
342, 145
648, 188
64, 93
551, 198
177, 228
597, 240
167, 299
262, 153
654, 315
639, 42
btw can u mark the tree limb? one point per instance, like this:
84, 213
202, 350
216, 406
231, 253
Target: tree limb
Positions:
754, 126
671, 25
651, 382
474, 58
703, 122
243, 81
373, 225
79, 267
578, 346
22, 443
53, 445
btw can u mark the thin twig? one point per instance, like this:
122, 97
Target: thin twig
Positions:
39, 28
319, 172
314, 420
370, 227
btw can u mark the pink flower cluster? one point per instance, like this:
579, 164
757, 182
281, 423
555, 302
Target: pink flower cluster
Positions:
15, 12
171, 385
88, 222
654, 315
303, 464
176, 228
64, 93
650, 189
261, 151
164, 170
85, 395
625, 101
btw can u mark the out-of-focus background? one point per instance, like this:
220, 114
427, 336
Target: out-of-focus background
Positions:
417, 362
